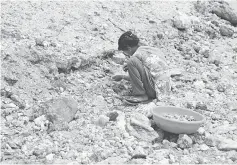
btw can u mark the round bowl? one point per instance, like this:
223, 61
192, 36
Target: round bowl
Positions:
176, 126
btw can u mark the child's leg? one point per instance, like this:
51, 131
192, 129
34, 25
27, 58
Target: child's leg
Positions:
139, 78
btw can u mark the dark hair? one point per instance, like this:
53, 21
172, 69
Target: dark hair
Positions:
127, 39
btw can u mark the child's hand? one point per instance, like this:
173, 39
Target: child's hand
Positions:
117, 77
125, 67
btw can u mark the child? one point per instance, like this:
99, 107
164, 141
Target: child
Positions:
146, 68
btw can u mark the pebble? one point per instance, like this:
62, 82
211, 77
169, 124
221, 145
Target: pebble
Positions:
201, 130
11, 105
201, 106
221, 88
203, 147
184, 141
112, 116
102, 120
40, 120
50, 157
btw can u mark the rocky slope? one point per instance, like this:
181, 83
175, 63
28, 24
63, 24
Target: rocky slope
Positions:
59, 105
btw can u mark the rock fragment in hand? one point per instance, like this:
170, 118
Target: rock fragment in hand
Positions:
184, 141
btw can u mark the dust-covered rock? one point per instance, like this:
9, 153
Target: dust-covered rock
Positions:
225, 12
184, 141
226, 31
59, 112
102, 120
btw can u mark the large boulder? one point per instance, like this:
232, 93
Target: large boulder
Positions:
140, 127
59, 112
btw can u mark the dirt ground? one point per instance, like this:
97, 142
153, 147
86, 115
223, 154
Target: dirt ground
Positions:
39, 38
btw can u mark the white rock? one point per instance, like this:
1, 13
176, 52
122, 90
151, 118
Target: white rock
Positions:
199, 84
139, 151
181, 21
184, 141
40, 120
141, 121
203, 147
102, 120
50, 157
121, 122
201, 130
164, 161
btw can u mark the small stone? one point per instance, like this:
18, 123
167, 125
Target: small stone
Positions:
205, 51
102, 120
201, 130
203, 147
184, 141
226, 31
181, 21
211, 141
172, 158
11, 105
201, 106
112, 116
199, 84
50, 157
40, 120
164, 161
221, 88
166, 143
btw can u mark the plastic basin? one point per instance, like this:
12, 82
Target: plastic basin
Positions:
176, 126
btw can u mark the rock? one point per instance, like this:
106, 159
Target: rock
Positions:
203, 147
141, 120
199, 85
102, 120
175, 72
166, 143
184, 141
39, 121
142, 133
221, 88
201, 106
164, 161
139, 151
11, 105
18, 101
172, 159
232, 106
211, 141
226, 31
225, 12
201, 130
181, 21
112, 116
50, 157
74, 63
227, 145
205, 51
59, 112
121, 122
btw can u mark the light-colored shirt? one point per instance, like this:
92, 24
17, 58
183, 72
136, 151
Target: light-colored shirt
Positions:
154, 60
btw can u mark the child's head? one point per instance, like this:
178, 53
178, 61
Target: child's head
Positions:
128, 43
